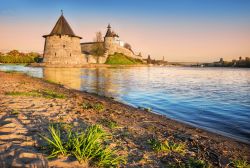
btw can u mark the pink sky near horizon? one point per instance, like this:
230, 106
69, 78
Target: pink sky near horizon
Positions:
176, 41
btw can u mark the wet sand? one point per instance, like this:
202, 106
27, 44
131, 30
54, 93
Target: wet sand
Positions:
24, 117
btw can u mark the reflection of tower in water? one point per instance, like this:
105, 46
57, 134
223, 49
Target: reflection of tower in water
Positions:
103, 81
70, 77
99, 80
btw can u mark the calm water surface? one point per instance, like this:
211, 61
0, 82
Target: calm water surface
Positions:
216, 99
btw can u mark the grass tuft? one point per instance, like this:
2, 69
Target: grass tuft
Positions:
197, 163
11, 71
55, 142
167, 146
87, 106
44, 93
97, 106
240, 163
109, 123
14, 112
52, 94
32, 93
50, 81
86, 146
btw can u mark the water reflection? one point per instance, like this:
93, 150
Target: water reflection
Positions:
70, 77
102, 81
93, 80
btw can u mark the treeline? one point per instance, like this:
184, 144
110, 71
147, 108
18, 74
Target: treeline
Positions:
243, 63
15, 56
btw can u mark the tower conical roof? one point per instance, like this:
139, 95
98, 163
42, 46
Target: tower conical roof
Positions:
109, 32
62, 27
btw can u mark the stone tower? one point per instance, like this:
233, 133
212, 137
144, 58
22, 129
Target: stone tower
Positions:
108, 39
62, 46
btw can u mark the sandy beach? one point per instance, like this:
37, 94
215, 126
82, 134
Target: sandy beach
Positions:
24, 117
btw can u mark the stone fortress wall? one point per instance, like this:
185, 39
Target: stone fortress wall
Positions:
116, 48
112, 49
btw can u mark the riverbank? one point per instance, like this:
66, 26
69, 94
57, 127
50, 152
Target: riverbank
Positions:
85, 65
24, 116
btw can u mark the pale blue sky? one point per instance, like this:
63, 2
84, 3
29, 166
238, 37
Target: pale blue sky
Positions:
180, 30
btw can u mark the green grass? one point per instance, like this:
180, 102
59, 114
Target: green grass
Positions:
50, 81
109, 123
11, 71
167, 146
97, 106
190, 163
121, 59
52, 94
32, 93
55, 142
197, 163
240, 163
43, 93
14, 112
86, 146
87, 106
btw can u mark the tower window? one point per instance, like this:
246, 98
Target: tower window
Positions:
63, 46
55, 53
70, 54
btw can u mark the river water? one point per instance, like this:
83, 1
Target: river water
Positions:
215, 99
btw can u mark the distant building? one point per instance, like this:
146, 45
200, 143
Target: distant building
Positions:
149, 61
221, 60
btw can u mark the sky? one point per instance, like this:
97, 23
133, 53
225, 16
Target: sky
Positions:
178, 30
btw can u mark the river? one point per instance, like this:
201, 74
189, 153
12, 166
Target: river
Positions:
215, 99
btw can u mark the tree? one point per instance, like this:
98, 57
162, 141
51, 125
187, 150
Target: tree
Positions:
98, 37
98, 48
33, 54
14, 53
127, 46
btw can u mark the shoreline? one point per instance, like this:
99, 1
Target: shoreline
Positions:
174, 120
142, 125
85, 65
114, 66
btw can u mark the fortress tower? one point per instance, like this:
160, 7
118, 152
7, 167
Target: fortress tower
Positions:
109, 38
62, 46
114, 45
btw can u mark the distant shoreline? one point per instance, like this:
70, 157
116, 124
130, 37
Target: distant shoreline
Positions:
115, 66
